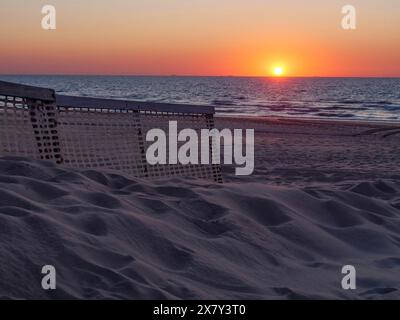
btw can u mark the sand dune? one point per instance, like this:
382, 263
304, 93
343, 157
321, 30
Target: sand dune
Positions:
113, 237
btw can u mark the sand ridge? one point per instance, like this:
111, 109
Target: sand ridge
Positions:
112, 237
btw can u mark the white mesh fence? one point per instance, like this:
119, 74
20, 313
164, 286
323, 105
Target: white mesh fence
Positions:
16, 131
94, 133
161, 120
106, 138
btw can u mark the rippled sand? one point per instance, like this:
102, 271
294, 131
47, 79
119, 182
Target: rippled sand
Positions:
323, 195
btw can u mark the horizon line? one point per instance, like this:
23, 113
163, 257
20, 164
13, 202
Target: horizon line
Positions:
191, 76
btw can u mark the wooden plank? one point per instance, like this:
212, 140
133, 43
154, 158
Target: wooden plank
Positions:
169, 107
24, 91
37, 93
95, 103
83, 102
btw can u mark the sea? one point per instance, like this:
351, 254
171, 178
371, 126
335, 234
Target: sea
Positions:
321, 98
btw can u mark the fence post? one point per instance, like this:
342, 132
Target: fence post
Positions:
43, 115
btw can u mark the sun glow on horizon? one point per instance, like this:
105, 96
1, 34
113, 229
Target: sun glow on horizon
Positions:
278, 71
201, 38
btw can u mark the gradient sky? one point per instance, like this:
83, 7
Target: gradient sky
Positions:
200, 37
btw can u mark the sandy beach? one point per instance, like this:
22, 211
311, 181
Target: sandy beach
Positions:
303, 152
324, 194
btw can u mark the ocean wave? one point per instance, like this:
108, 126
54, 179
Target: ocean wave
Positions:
223, 102
334, 115
363, 98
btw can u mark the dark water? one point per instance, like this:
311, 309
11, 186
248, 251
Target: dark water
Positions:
339, 98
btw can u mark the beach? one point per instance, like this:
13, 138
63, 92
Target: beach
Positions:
302, 152
324, 194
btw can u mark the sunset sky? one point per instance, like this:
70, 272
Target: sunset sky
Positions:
201, 37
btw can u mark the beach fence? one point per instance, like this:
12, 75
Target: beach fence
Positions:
95, 133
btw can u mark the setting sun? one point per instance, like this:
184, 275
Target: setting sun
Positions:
278, 71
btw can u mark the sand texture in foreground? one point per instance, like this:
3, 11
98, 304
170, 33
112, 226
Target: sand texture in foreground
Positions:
321, 197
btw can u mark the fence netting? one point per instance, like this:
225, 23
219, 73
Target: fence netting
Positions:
95, 133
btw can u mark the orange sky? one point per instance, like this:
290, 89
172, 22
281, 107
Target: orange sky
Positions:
201, 37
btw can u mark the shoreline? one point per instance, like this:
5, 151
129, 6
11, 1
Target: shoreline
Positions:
259, 99
306, 153
274, 119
